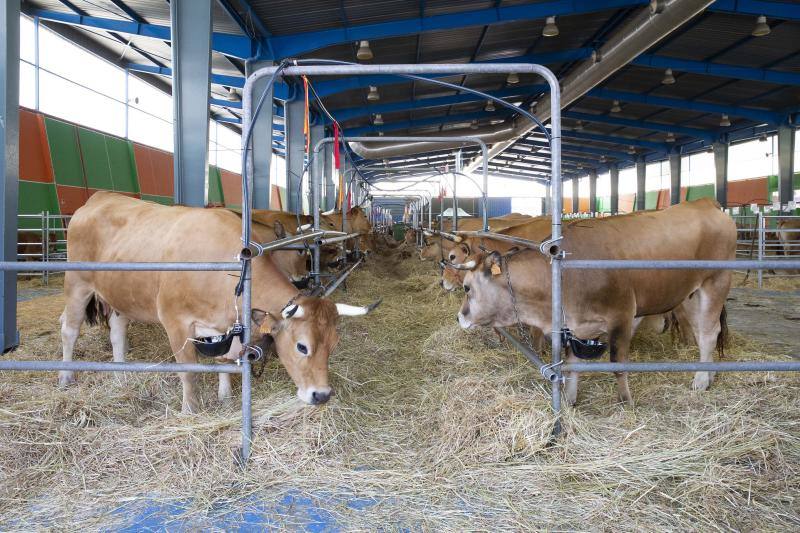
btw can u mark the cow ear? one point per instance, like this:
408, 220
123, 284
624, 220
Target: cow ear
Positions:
280, 231
491, 263
267, 324
466, 249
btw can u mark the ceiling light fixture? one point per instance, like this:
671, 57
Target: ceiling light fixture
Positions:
512, 78
724, 122
763, 138
489, 106
378, 120
578, 126
631, 150
473, 125
670, 137
364, 51
550, 28
373, 95
669, 78
615, 108
761, 28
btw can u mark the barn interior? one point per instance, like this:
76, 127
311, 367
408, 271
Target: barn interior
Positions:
432, 426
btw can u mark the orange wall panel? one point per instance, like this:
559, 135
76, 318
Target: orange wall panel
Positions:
163, 172
746, 192
144, 169
231, 187
34, 152
583, 205
626, 203
71, 198
663, 199
275, 200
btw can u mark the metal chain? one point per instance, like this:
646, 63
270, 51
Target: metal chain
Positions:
521, 330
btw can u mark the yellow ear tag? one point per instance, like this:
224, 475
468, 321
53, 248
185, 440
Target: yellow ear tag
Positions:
496, 270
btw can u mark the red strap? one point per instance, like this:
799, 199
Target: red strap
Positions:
336, 157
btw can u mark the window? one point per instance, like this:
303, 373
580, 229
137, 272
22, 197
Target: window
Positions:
66, 99
27, 85
146, 129
27, 40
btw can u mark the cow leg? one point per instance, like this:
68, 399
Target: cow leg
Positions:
620, 341
224, 392
184, 353
77, 297
707, 326
571, 379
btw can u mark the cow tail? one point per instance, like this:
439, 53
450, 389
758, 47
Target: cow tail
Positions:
97, 311
672, 325
722, 338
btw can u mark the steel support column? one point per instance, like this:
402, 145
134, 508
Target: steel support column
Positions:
721, 172
295, 154
674, 177
316, 168
785, 164
9, 167
593, 191
641, 184
260, 157
191, 76
328, 173
613, 171
576, 201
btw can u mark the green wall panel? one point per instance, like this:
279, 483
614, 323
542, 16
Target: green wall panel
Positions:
35, 197
603, 204
122, 164
164, 200
95, 160
215, 195
64, 152
700, 191
651, 199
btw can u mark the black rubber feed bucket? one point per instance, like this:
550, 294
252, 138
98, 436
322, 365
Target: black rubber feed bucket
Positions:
218, 345
584, 348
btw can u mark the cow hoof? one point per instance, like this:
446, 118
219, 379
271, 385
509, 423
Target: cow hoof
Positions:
701, 382
626, 401
66, 378
190, 409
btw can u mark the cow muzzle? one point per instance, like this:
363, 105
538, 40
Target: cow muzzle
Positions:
315, 396
464, 322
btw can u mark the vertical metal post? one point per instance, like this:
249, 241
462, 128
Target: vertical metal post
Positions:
46, 243
593, 191
641, 184
191, 73
328, 173
675, 177
576, 201
613, 172
457, 169
260, 158
9, 168
785, 164
721, 172
317, 133
36, 62
295, 153
127, 101
760, 225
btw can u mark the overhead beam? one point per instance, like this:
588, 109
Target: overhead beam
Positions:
717, 69
756, 115
300, 43
612, 139
568, 147
642, 125
225, 43
777, 10
416, 123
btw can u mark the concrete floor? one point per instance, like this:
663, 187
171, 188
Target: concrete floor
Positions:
772, 317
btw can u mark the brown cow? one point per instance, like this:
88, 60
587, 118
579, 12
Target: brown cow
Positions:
605, 302
356, 222
113, 227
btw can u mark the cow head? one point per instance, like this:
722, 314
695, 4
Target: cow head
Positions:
452, 279
487, 300
304, 334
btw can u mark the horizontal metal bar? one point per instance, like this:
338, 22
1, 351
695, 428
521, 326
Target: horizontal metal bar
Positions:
60, 266
502, 237
338, 281
280, 243
339, 239
726, 366
546, 370
636, 264
91, 366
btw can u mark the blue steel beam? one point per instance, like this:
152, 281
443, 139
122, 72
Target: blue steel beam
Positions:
218, 79
569, 147
717, 69
301, 43
757, 115
775, 10
642, 125
356, 112
224, 43
612, 139
400, 125
225, 103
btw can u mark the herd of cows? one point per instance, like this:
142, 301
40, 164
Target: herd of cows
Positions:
504, 285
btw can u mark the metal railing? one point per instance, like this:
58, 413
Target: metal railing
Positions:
759, 236
51, 244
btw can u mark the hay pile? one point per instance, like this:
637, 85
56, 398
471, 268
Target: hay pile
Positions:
432, 427
769, 282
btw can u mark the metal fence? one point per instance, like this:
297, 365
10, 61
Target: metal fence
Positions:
46, 242
761, 236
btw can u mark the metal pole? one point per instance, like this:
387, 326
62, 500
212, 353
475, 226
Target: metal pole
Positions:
641, 184
455, 195
295, 153
681, 264
191, 74
721, 168
668, 366
786, 136
761, 228
92, 366
14, 266
675, 177
9, 167
613, 174
593, 191
546, 370
259, 161
45, 242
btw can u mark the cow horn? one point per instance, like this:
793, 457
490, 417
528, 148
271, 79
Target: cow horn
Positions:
448, 236
469, 265
292, 310
355, 310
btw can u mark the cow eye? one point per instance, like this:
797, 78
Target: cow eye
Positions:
302, 348
452, 257
466, 288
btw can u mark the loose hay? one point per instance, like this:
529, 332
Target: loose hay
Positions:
435, 427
